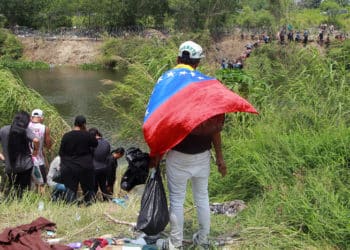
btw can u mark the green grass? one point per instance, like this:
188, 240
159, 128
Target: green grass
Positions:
289, 163
19, 64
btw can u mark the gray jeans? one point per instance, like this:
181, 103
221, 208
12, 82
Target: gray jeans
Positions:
180, 168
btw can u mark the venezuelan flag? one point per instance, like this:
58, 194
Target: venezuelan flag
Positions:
182, 99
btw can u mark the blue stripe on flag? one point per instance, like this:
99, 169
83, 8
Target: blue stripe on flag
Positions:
169, 84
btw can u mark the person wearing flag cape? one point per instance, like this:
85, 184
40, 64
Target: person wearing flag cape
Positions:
183, 120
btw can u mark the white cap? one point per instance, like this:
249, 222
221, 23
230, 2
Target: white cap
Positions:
37, 113
195, 50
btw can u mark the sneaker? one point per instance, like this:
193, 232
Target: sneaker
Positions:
200, 245
165, 244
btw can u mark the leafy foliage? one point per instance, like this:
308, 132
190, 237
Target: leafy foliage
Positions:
10, 47
290, 162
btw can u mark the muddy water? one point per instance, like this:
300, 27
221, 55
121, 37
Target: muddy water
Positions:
74, 92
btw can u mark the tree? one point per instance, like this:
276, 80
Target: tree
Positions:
332, 9
201, 14
3, 20
19, 12
256, 4
156, 9
310, 3
261, 19
90, 12
280, 8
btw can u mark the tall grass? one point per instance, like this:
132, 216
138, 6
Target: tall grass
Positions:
15, 96
291, 162
20, 64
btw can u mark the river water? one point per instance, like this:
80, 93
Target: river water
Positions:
73, 91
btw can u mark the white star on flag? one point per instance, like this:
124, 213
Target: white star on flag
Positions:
170, 74
160, 79
193, 74
183, 73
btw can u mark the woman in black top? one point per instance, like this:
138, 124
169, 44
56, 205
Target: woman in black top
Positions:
76, 161
99, 159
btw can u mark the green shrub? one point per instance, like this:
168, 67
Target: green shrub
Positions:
91, 66
12, 48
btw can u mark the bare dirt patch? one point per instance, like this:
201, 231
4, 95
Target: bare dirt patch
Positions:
57, 51
229, 47
79, 51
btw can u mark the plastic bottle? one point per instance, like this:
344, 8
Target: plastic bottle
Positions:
41, 206
77, 216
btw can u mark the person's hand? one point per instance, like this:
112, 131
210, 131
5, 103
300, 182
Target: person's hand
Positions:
221, 167
2, 157
154, 161
35, 152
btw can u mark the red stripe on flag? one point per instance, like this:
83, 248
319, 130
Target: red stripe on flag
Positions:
180, 114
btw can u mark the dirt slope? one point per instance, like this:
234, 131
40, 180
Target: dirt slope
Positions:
59, 51
74, 51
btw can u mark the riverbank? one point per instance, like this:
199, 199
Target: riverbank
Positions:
77, 51
61, 51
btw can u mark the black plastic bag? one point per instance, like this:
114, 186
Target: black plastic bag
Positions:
137, 171
154, 213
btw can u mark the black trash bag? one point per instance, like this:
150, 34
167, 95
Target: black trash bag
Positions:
154, 213
137, 170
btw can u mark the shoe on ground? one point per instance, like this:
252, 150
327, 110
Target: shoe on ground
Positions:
165, 244
200, 245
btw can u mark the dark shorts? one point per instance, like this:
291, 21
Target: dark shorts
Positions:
43, 172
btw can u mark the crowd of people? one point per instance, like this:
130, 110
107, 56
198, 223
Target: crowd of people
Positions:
324, 34
286, 35
85, 158
238, 62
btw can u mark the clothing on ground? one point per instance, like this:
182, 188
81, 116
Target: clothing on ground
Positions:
28, 237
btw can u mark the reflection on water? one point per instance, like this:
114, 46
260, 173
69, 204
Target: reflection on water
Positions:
74, 92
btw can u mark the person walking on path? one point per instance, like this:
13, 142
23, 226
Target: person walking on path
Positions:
76, 161
42, 132
15, 140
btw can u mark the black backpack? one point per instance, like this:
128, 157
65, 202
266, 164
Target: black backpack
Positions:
137, 171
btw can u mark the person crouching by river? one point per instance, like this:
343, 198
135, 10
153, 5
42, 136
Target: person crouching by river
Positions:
76, 161
15, 140
54, 180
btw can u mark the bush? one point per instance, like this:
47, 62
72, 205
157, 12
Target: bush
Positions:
12, 48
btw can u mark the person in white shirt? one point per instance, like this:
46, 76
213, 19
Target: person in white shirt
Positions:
42, 132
